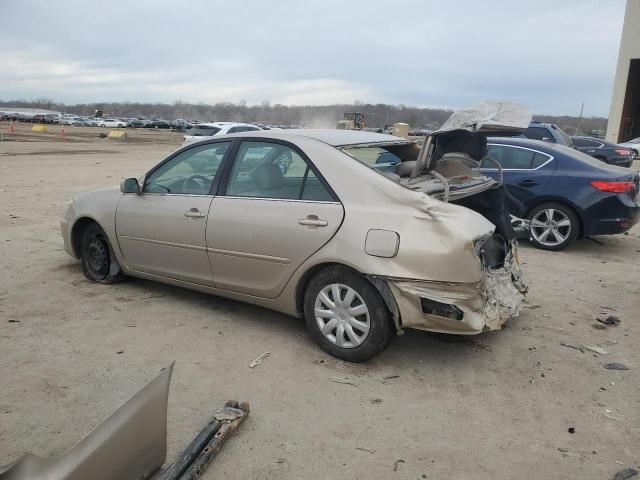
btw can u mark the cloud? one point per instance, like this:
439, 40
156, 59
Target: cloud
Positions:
45, 70
548, 55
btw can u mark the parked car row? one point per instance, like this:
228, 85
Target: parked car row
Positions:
622, 155
604, 151
92, 121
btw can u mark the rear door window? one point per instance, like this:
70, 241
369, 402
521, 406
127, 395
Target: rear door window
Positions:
513, 158
539, 159
274, 171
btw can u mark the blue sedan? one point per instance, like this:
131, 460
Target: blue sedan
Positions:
566, 194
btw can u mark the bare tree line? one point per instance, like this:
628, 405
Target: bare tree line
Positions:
319, 116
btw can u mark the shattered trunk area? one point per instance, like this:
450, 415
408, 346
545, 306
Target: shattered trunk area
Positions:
504, 291
466, 308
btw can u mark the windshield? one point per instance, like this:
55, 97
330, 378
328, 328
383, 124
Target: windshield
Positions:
565, 137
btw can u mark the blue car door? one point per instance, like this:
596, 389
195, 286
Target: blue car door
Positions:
525, 171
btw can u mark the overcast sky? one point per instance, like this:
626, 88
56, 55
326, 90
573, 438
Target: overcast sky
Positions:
547, 54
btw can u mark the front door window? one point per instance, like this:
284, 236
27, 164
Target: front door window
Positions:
189, 173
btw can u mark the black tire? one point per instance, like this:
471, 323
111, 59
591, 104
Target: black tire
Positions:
381, 329
99, 264
562, 210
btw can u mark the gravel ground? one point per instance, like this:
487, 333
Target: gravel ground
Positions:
497, 405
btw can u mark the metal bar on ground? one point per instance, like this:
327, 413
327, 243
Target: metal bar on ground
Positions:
229, 425
197, 456
191, 452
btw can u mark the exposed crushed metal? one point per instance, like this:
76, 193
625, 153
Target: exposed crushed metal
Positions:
463, 308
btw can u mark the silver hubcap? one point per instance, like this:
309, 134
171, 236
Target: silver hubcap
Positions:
550, 227
342, 315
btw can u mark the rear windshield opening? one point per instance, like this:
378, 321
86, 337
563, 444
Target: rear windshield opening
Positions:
198, 131
384, 156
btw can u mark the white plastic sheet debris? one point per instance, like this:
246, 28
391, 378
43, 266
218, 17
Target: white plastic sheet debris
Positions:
487, 117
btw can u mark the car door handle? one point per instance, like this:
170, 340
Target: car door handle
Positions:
194, 213
528, 183
313, 221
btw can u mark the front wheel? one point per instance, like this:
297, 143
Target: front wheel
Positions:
346, 315
554, 226
98, 262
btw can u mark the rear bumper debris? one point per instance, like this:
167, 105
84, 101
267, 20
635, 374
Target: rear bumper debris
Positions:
458, 307
131, 444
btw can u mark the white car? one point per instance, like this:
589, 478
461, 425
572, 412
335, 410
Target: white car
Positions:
71, 120
111, 123
206, 131
634, 145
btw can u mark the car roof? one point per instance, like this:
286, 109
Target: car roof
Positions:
584, 137
333, 137
522, 142
535, 123
596, 139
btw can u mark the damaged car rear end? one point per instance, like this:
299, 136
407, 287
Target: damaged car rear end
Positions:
461, 269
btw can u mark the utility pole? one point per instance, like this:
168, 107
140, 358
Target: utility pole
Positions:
580, 119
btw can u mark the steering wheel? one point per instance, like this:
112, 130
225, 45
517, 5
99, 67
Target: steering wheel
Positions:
284, 161
198, 181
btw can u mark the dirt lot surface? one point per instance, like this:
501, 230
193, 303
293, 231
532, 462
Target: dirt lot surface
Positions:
496, 406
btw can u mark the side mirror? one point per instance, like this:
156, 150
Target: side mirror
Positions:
129, 185
548, 140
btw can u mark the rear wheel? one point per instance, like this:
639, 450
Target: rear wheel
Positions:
346, 315
98, 262
554, 226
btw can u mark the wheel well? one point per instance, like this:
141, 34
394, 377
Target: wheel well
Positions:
308, 275
77, 231
565, 204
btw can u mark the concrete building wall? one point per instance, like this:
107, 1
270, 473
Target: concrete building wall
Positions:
625, 93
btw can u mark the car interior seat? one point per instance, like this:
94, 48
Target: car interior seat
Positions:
268, 176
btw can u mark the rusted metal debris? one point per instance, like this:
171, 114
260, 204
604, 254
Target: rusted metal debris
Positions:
194, 460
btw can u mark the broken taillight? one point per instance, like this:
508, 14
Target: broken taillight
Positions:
614, 187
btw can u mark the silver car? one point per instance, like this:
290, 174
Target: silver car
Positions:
634, 145
354, 231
